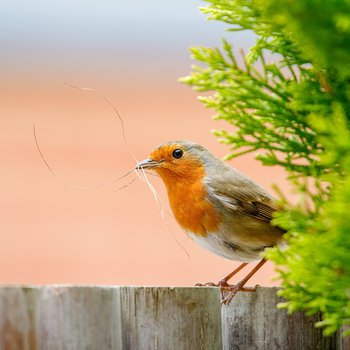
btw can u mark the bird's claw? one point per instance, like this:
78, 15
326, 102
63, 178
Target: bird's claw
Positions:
239, 287
231, 289
221, 284
208, 284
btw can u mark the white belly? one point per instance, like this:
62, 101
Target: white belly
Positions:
217, 246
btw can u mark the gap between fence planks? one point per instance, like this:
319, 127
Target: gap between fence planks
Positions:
181, 318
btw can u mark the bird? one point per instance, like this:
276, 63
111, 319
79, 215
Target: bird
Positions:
220, 208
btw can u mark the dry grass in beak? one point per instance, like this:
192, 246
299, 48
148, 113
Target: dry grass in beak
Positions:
140, 172
104, 183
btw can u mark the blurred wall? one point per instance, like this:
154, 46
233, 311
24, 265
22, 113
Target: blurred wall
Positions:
133, 53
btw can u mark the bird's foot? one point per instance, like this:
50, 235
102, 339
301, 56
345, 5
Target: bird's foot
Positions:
221, 284
234, 289
225, 287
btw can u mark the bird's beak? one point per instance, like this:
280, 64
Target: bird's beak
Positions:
147, 164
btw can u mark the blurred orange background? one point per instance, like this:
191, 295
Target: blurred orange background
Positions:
133, 54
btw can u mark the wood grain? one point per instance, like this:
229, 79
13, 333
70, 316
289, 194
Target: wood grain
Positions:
94, 317
252, 321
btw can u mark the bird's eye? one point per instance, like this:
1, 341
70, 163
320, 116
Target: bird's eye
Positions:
178, 153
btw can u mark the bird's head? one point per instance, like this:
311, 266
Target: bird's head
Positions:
178, 161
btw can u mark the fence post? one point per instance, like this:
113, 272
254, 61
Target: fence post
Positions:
252, 321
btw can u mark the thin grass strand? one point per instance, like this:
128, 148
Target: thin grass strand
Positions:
142, 175
104, 183
114, 109
126, 185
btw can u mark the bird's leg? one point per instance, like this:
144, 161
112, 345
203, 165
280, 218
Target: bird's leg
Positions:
223, 282
240, 285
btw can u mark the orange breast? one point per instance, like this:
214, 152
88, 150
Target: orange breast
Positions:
187, 200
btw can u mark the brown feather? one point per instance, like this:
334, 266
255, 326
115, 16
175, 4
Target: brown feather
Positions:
237, 192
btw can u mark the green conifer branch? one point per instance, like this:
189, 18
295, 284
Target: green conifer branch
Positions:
289, 100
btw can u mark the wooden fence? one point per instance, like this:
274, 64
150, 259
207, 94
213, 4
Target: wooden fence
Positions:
98, 318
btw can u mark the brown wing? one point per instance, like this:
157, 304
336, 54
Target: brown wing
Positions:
261, 210
237, 192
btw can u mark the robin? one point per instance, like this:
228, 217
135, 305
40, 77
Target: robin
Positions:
217, 206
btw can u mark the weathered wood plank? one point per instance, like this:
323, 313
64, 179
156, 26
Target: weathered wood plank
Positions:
171, 318
132, 318
60, 318
252, 322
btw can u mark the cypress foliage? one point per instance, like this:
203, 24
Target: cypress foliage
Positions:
288, 101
